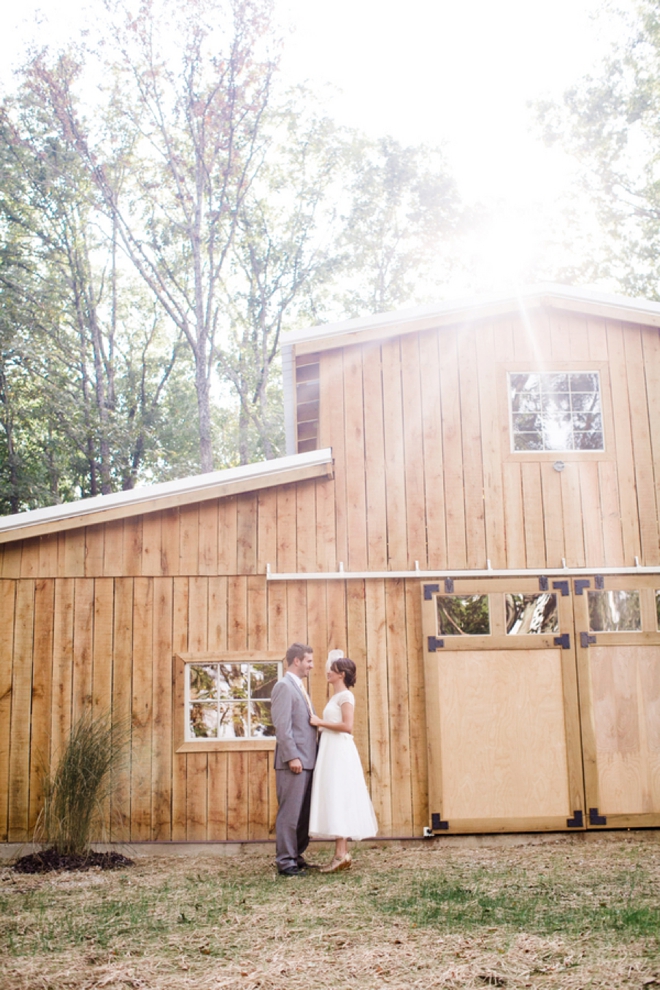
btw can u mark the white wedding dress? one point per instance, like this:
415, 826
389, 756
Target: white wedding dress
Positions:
341, 807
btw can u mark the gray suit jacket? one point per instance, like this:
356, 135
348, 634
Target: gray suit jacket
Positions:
296, 738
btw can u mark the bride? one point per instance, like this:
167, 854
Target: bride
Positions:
341, 807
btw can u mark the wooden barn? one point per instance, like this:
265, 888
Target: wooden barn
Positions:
469, 507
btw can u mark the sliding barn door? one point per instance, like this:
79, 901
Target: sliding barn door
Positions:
502, 706
618, 643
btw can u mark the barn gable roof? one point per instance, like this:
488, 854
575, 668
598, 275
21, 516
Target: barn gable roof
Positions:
154, 498
453, 311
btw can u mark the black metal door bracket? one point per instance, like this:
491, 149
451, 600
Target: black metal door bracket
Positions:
562, 586
428, 591
437, 823
586, 640
543, 583
435, 644
449, 586
576, 821
580, 584
564, 641
595, 818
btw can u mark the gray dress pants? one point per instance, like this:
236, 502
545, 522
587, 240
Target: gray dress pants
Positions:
294, 793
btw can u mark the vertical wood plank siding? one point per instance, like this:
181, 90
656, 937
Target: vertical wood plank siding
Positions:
423, 472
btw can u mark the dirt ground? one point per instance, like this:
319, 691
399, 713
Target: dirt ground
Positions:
564, 914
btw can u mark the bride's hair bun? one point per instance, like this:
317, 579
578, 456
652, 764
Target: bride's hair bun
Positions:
346, 667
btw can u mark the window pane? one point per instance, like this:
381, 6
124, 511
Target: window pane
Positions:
528, 441
263, 677
585, 402
233, 680
588, 441
556, 402
524, 383
554, 382
522, 402
460, 615
203, 721
529, 614
203, 681
261, 721
584, 382
614, 611
233, 720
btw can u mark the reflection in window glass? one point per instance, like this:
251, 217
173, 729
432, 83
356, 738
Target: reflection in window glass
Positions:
230, 700
530, 614
463, 615
556, 411
614, 611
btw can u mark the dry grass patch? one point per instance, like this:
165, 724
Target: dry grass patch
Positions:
567, 914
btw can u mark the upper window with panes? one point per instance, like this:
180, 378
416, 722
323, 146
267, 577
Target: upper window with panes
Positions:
555, 411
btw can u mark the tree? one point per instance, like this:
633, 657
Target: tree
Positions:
611, 123
185, 129
402, 215
86, 363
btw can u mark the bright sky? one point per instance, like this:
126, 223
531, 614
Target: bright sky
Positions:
443, 72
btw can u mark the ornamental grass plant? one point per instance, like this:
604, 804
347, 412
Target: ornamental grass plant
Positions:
76, 789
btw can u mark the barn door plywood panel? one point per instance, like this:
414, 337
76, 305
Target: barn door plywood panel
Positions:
619, 669
7, 606
502, 706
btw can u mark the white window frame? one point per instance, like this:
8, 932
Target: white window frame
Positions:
185, 742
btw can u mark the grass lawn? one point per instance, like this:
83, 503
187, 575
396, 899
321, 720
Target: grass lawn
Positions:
567, 913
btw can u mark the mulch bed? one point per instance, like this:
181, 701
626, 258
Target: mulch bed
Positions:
50, 859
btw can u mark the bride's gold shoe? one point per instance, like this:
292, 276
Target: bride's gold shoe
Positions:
337, 864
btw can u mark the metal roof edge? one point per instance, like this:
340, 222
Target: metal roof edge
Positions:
261, 472
541, 294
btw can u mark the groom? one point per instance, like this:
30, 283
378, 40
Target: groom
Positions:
295, 757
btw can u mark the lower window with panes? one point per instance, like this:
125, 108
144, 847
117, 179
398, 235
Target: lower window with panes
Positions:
229, 699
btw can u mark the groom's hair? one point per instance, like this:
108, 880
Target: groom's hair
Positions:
296, 652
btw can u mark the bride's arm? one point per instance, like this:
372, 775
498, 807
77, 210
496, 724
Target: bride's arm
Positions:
346, 724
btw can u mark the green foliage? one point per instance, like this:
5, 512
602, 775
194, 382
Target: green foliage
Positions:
82, 779
610, 122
